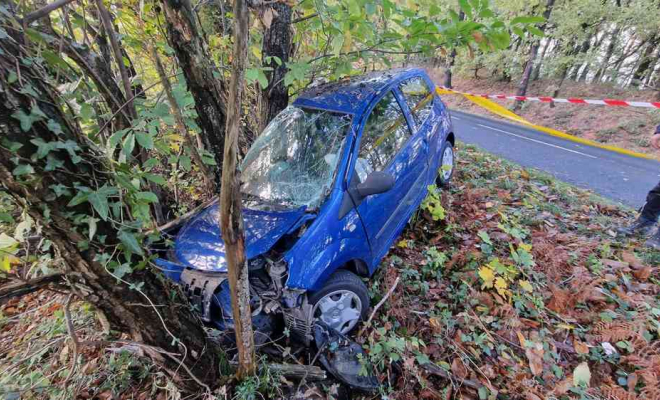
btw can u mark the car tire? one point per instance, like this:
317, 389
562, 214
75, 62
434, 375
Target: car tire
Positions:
342, 291
447, 157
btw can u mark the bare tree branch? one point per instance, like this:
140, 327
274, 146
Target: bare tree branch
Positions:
42, 12
21, 288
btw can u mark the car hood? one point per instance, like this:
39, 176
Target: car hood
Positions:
199, 244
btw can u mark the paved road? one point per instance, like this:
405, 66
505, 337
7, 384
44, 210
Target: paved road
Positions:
615, 176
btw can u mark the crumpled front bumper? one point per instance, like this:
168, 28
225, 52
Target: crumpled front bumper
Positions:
199, 286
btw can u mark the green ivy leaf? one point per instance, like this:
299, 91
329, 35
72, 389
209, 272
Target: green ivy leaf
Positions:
483, 235
23, 169
91, 222
122, 270
25, 120
54, 127
100, 204
130, 242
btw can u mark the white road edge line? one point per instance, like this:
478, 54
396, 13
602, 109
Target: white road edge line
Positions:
538, 141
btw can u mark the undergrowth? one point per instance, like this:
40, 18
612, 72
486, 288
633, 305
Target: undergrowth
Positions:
523, 290
511, 285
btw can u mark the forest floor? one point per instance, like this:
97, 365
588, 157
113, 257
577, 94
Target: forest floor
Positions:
516, 287
626, 127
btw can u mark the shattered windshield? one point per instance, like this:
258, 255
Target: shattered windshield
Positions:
293, 161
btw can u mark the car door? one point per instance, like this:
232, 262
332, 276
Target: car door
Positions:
420, 100
387, 144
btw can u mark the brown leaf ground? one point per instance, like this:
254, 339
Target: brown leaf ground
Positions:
521, 282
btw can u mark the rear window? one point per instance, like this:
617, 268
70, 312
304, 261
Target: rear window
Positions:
418, 97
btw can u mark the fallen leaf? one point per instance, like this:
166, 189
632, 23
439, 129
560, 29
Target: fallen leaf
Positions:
559, 301
531, 396
535, 358
643, 274
615, 264
580, 347
458, 369
526, 286
563, 387
632, 381
582, 375
609, 349
487, 275
632, 259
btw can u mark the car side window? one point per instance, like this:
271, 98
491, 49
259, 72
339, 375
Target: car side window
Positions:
418, 97
385, 132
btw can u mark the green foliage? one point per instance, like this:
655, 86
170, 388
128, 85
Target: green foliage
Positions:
433, 204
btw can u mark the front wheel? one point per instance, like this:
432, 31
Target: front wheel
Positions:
446, 169
342, 302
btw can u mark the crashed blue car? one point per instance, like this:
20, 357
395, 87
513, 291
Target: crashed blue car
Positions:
327, 188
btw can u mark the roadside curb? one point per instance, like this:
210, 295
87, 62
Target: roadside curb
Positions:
505, 113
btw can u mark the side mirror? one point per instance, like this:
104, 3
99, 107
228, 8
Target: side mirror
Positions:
376, 182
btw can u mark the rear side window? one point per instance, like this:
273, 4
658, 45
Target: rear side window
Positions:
418, 97
385, 132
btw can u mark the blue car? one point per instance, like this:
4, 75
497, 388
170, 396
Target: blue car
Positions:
327, 188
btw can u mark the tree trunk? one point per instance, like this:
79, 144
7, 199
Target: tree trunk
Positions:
533, 51
583, 49
537, 70
203, 79
446, 82
231, 216
646, 61
451, 59
614, 37
138, 303
276, 43
104, 15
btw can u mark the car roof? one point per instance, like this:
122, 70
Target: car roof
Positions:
353, 95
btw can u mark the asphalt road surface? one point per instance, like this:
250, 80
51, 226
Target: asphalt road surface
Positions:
615, 176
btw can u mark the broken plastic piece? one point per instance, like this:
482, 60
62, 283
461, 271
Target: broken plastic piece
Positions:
344, 358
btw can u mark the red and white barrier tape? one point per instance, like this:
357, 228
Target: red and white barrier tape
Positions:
605, 102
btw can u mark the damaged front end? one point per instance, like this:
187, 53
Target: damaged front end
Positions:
203, 276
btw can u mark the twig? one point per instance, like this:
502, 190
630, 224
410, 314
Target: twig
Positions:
43, 11
74, 338
380, 303
182, 218
20, 288
305, 18
433, 369
130, 100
